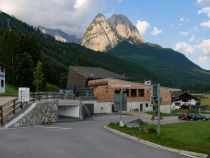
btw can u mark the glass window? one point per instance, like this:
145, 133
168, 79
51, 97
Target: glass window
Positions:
2, 83
141, 92
133, 93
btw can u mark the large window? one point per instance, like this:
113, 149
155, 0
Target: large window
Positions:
2, 83
133, 93
141, 92
127, 92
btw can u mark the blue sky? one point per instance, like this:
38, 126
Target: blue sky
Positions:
183, 25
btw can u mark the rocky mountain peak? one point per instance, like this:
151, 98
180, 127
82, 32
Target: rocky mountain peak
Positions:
99, 35
102, 34
124, 29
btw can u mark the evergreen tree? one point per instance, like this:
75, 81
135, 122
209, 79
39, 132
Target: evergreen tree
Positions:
23, 71
38, 76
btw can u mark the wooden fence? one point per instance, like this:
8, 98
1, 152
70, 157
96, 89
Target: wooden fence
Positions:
13, 108
9, 110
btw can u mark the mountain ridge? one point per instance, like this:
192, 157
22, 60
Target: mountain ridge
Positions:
103, 34
59, 35
165, 63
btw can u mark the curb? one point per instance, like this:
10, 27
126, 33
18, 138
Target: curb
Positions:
157, 146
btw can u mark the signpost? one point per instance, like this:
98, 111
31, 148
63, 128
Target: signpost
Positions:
120, 104
156, 96
23, 94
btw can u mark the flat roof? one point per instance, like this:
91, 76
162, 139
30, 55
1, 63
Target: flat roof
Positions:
96, 72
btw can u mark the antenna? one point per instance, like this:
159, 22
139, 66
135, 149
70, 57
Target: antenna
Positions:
8, 25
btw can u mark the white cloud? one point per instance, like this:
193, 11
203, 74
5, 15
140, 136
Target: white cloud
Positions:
142, 26
184, 33
156, 31
205, 24
203, 1
202, 59
205, 10
79, 3
204, 47
181, 20
71, 16
192, 39
184, 47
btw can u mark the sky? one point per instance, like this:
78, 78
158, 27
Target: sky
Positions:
183, 25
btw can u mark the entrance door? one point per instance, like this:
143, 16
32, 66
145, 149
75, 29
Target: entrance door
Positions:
141, 107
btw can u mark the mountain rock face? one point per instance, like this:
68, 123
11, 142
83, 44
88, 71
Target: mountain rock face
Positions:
124, 29
99, 35
102, 34
59, 35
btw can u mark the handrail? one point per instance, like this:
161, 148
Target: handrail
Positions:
12, 108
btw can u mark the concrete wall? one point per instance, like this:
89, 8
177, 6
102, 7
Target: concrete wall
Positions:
105, 107
36, 114
165, 108
136, 105
69, 111
2, 79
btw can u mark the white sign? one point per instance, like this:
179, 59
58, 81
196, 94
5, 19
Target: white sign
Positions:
23, 94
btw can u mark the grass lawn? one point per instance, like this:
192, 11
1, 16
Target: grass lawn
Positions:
205, 102
10, 91
191, 136
173, 113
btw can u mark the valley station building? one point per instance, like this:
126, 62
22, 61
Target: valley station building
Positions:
102, 85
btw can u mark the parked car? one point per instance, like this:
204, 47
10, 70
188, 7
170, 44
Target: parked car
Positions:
200, 117
187, 116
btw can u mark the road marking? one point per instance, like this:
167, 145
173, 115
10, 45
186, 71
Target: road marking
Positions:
53, 127
47, 127
188, 155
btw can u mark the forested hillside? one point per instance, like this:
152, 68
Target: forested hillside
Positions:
21, 47
170, 67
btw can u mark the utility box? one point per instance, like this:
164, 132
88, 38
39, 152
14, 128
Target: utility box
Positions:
117, 100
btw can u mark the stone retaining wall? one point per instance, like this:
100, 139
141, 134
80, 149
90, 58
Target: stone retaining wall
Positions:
37, 114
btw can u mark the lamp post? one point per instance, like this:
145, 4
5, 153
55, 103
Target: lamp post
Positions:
121, 102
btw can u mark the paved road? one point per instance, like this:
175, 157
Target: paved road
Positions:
85, 139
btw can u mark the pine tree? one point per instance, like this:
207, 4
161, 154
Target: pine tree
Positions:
38, 76
23, 71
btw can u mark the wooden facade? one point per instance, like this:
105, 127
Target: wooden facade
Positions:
104, 90
166, 96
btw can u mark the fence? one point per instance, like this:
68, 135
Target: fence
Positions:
9, 110
13, 108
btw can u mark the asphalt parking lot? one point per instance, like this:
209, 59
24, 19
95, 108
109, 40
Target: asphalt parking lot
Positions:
83, 139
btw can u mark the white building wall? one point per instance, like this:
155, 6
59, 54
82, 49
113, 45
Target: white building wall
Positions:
104, 107
192, 102
69, 111
165, 108
2, 78
136, 105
